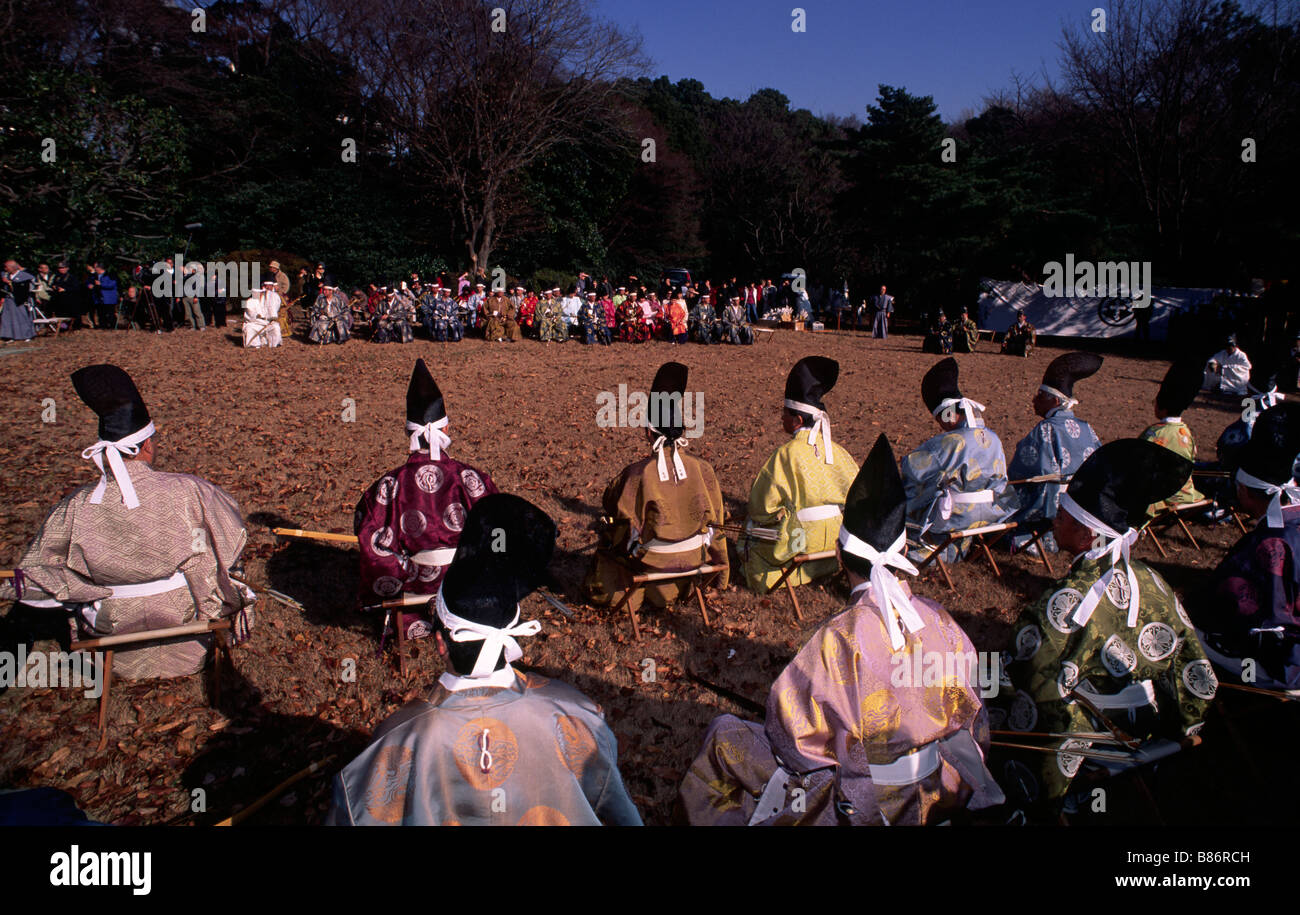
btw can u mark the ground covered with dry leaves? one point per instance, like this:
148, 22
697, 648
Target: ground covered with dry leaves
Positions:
268, 426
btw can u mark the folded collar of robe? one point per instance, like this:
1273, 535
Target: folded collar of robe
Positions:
967, 406
1291, 489
894, 603
1067, 402
495, 641
1171, 419
128, 445
663, 442
432, 433
822, 423
1116, 546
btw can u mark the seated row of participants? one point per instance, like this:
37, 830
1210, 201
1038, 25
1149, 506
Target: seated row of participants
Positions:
844, 740
398, 311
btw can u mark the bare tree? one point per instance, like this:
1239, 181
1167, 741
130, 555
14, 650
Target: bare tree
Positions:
477, 92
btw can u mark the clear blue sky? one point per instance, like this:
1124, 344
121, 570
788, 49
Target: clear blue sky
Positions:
958, 52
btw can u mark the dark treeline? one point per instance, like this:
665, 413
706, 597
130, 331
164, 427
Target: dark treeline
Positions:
399, 135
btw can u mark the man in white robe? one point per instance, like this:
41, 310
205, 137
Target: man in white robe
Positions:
261, 314
1228, 372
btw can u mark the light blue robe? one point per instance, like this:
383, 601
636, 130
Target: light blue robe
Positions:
966, 460
1059, 443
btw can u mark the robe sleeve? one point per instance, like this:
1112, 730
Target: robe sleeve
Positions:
612, 804
1190, 677
49, 566
370, 519
769, 494
216, 545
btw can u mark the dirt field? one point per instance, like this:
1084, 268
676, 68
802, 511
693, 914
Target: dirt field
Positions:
267, 426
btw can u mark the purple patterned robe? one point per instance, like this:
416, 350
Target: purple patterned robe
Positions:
409, 522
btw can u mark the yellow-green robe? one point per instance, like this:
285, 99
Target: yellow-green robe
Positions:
795, 478
1178, 439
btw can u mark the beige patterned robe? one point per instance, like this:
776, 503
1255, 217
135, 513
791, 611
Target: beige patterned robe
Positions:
183, 524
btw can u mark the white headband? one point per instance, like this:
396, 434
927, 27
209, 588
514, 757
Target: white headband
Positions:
822, 422
495, 641
1066, 400
893, 601
658, 447
1117, 548
967, 405
432, 433
128, 445
1274, 514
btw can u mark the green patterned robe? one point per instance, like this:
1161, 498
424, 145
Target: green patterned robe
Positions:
1051, 655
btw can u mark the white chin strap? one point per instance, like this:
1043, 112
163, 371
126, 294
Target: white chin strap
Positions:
662, 443
432, 433
1067, 402
967, 406
130, 446
495, 641
822, 423
894, 603
1117, 547
1273, 517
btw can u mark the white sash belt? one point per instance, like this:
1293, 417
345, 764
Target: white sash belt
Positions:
148, 588
909, 769
116, 592
819, 512
1136, 695
435, 557
678, 546
948, 498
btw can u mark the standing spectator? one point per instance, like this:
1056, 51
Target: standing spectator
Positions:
104, 296
190, 306
884, 307
41, 286
65, 297
753, 295
15, 318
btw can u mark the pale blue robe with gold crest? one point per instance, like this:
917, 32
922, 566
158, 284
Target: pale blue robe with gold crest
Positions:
1058, 444
511, 749
964, 460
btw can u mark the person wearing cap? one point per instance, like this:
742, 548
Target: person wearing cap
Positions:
495, 308
331, 317
966, 333
631, 329
261, 317
1020, 337
664, 512
281, 278
397, 316
447, 322
551, 324
1228, 370
704, 320
797, 500
1108, 649
1058, 443
589, 322
1251, 608
852, 735
735, 326
140, 548
958, 479
938, 337
409, 521
1177, 391
489, 745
